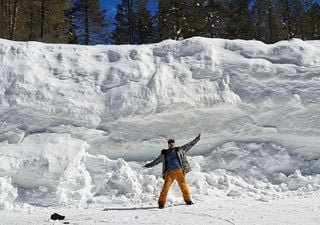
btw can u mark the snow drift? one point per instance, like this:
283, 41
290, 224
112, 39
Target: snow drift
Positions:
77, 123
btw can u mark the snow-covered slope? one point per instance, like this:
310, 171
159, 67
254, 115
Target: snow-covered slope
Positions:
77, 123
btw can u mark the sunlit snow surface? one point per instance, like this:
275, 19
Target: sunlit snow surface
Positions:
77, 123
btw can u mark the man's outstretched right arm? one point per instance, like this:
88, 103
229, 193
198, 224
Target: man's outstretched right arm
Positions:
189, 145
156, 161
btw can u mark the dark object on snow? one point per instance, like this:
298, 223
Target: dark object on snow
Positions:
189, 202
66, 223
56, 216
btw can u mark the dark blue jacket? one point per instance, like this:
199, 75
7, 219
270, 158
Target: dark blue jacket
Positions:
181, 152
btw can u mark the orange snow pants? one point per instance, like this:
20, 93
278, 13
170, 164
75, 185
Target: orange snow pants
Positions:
170, 177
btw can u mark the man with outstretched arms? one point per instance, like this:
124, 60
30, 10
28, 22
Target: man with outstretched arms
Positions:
174, 167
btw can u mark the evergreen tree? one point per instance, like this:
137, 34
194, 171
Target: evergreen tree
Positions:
314, 22
238, 23
26, 21
4, 19
13, 20
295, 18
8, 16
266, 21
144, 26
287, 17
172, 19
55, 23
35, 20
90, 22
133, 23
125, 23
162, 18
215, 19
47, 20
196, 15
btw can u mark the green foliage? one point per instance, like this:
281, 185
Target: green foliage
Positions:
90, 22
215, 23
213, 18
268, 26
36, 20
125, 23
172, 19
313, 22
195, 15
83, 21
57, 26
144, 26
4, 19
133, 23
239, 24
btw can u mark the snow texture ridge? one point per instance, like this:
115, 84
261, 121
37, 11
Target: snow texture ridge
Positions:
77, 123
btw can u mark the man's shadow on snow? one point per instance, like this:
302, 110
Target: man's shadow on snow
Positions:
129, 209
138, 208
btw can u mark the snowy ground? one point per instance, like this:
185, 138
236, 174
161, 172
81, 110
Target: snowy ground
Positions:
78, 123
219, 211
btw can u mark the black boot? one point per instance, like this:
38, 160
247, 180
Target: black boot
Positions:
189, 202
161, 206
56, 216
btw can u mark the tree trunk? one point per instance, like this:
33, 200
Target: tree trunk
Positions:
13, 19
43, 9
31, 18
289, 35
86, 35
270, 11
130, 22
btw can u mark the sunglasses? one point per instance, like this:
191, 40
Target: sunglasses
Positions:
171, 142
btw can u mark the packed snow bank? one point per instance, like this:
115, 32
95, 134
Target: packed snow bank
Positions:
46, 165
77, 123
55, 169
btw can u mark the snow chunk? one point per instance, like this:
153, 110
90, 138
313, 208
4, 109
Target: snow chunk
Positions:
113, 56
8, 193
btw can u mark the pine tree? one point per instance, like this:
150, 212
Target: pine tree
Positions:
48, 21
125, 23
144, 26
196, 15
314, 21
172, 19
13, 21
162, 18
90, 22
4, 19
215, 22
297, 17
266, 21
8, 16
287, 17
35, 20
293, 11
55, 24
238, 23
133, 23
30, 11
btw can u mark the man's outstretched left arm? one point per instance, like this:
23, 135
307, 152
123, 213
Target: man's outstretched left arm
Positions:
189, 145
155, 161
